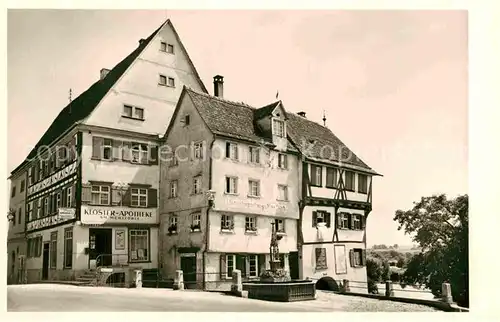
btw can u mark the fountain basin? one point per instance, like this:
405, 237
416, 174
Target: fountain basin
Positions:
281, 291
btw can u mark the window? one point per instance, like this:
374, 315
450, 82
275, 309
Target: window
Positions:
133, 112
173, 189
187, 120
331, 178
282, 192
231, 185
197, 185
357, 257
13, 192
168, 48
46, 206
172, 224
198, 150
282, 161
253, 265
107, 150
139, 153
171, 82
174, 161
232, 151
30, 176
321, 258
100, 195
279, 225
163, 80
250, 224
139, 197
279, 128
349, 180
53, 249
344, 220
23, 183
29, 210
321, 217
20, 216
230, 262
227, 222
362, 183
39, 210
253, 188
356, 222
68, 247
196, 221
69, 197
139, 245
254, 154
316, 178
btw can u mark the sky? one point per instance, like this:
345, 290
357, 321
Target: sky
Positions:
393, 84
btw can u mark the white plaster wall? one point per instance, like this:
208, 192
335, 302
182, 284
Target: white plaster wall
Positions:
269, 178
239, 241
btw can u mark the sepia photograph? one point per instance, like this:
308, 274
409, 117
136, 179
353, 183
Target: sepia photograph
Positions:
237, 160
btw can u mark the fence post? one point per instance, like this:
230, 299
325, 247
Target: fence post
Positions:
446, 293
345, 286
138, 278
179, 280
236, 284
389, 291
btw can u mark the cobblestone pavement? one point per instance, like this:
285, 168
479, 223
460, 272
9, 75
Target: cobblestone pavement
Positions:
66, 298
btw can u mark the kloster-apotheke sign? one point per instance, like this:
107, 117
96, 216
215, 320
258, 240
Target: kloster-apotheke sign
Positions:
58, 176
95, 215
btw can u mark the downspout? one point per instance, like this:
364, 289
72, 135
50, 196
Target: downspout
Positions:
207, 223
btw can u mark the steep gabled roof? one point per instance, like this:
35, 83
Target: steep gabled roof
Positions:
318, 142
238, 120
82, 106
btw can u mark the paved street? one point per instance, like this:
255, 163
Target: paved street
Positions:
64, 298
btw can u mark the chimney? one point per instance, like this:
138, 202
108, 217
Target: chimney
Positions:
141, 41
303, 114
219, 86
104, 72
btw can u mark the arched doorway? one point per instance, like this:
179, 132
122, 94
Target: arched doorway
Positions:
327, 284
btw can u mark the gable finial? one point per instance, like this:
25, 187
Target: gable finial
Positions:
277, 94
324, 118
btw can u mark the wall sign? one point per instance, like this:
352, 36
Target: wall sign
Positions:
56, 177
48, 221
98, 215
120, 239
66, 213
252, 204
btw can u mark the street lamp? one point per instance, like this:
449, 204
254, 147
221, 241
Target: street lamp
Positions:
11, 215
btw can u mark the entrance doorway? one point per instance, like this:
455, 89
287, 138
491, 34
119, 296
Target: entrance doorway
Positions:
188, 267
45, 261
100, 246
293, 263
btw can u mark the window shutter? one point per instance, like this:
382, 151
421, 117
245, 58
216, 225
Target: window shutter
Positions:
127, 198
86, 194
115, 196
228, 147
126, 151
152, 198
153, 155
285, 161
49, 205
236, 148
39, 246
363, 222
339, 220
314, 218
222, 269
97, 147
261, 261
328, 219
351, 257
117, 149
351, 224
64, 193
363, 257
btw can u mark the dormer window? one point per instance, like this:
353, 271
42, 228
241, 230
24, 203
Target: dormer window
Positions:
278, 128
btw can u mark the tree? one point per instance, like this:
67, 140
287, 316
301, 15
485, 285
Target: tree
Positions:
441, 228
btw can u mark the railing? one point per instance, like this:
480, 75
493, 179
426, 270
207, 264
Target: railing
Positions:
111, 260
